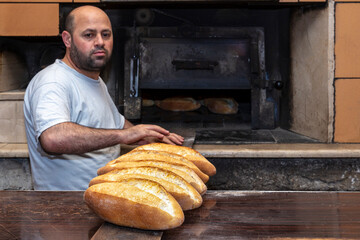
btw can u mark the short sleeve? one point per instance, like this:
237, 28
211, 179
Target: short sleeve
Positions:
50, 106
122, 121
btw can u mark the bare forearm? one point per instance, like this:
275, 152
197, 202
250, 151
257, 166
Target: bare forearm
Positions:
71, 138
75, 139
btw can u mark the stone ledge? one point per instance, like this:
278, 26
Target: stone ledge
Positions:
15, 150
12, 95
291, 150
295, 150
282, 174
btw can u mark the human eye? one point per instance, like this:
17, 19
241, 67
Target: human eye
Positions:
88, 35
106, 34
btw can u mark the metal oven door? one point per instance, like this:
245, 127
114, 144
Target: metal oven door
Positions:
173, 63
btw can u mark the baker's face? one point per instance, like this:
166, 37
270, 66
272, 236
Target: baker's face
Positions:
91, 42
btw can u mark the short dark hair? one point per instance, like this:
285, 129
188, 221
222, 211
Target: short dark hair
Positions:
69, 22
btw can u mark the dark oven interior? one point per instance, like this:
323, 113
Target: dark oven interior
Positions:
237, 56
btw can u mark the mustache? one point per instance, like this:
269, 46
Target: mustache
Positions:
99, 49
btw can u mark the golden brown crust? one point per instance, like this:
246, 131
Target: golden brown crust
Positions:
183, 171
178, 104
221, 105
164, 156
147, 103
182, 191
192, 155
126, 205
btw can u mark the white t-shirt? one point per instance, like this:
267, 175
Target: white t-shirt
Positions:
60, 94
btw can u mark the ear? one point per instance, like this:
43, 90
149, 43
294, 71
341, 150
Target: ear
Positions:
66, 37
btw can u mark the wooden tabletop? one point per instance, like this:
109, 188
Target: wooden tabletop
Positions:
223, 215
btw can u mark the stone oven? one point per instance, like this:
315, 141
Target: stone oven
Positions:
256, 54
274, 58
291, 66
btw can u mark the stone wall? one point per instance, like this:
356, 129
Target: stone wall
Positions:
15, 174
286, 174
310, 174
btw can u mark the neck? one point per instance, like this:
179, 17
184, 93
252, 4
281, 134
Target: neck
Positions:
67, 60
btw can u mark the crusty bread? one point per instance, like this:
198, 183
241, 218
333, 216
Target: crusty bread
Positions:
192, 155
221, 105
138, 155
177, 104
183, 171
137, 203
147, 102
182, 191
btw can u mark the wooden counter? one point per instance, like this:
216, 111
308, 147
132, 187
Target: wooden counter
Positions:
223, 215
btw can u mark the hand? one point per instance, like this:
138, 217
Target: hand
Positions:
147, 133
172, 138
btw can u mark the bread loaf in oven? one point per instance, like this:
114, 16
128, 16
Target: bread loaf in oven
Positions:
221, 105
138, 203
178, 104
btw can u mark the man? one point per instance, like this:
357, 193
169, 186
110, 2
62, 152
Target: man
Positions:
72, 124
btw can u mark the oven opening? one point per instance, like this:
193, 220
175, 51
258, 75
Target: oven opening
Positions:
225, 109
240, 59
210, 116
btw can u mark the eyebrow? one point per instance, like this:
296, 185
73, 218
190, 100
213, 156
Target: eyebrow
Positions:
94, 30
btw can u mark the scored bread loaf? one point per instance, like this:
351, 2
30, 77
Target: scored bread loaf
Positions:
138, 155
137, 203
147, 102
183, 171
182, 191
190, 154
221, 105
178, 104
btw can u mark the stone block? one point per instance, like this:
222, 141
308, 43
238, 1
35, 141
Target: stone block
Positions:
12, 127
286, 174
15, 174
13, 72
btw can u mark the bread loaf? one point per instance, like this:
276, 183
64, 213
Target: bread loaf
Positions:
138, 155
190, 154
147, 102
221, 105
137, 203
177, 104
183, 171
182, 191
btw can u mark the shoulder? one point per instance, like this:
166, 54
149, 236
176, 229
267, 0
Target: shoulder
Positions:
52, 78
54, 74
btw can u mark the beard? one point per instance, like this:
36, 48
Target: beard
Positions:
89, 62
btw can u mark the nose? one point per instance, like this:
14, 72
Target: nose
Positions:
99, 41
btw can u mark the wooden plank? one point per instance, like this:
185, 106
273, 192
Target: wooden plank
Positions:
347, 118
35, 1
347, 41
86, 1
109, 231
223, 215
302, 1
29, 19
288, 1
